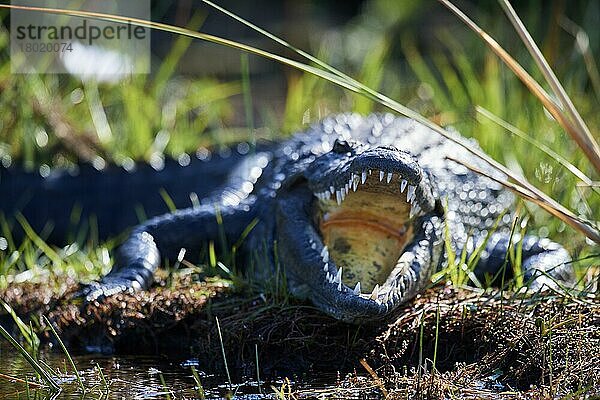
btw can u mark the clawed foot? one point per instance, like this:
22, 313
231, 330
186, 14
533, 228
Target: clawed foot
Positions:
98, 291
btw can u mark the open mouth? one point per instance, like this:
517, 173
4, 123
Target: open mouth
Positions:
365, 226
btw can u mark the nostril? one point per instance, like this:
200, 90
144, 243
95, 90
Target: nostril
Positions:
341, 146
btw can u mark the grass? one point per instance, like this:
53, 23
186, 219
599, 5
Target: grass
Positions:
460, 85
64, 349
199, 387
48, 380
223, 352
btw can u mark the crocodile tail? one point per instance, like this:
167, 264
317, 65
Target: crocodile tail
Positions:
67, 204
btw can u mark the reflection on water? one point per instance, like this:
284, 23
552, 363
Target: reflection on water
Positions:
129, 377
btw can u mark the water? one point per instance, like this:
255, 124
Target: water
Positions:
129, 377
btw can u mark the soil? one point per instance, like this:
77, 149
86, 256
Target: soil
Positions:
448, 342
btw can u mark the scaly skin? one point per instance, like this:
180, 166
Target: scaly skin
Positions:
286, 187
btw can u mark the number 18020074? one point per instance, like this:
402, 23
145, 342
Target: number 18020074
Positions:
46, 47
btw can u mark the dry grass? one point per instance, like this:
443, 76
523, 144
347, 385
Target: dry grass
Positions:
489, 343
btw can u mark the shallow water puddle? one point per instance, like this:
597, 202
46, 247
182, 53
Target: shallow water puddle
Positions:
134, 377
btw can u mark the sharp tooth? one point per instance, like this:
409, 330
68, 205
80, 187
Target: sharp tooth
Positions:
355, 184
356, 290
338, 197
325, 267
346, 188
331, 189
325, 254
339, 286
381, 173
410, 194
313, 246
363, 177
389, 177
403, 185
375, 292
370, 172
328, 276
414, 210
338, 276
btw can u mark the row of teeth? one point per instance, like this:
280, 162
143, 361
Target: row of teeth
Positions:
392, 295
341, 192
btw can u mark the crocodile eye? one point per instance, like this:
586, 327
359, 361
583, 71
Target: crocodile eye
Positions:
341, 146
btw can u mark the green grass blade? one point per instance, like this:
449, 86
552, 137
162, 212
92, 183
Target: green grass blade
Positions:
34, 364
437, 334
6, 231
169, 64
67, 354
257, 367
199, 387
165, 387
475, 257
103, 379
223, 353
168, 200
38, 241
30, 337
372, 74
248, 107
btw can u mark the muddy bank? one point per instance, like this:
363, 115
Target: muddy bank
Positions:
481, 342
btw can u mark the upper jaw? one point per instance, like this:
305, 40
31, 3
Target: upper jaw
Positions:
418, 194
395, 171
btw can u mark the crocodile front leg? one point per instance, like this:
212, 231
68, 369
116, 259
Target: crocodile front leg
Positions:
163, 237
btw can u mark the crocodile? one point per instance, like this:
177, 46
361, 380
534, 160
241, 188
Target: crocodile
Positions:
358, 211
